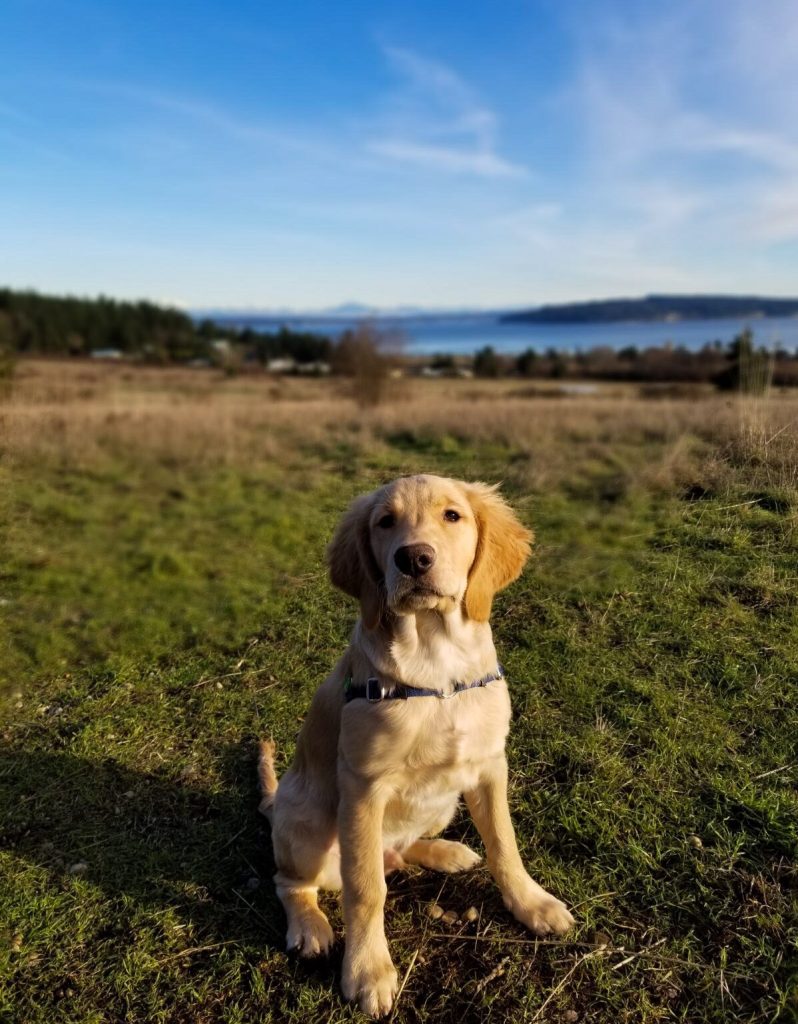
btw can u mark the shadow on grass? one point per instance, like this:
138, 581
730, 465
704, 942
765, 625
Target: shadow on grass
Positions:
149, 838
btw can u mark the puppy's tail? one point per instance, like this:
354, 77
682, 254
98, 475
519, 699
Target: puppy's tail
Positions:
267, 780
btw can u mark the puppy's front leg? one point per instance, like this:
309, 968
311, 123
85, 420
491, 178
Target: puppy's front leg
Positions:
541, 912
368, 973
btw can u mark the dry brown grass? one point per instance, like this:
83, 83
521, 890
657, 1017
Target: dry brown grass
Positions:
76, 412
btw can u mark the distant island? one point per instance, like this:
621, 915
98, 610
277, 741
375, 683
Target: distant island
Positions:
654, 308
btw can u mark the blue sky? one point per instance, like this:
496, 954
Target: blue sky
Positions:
303, 154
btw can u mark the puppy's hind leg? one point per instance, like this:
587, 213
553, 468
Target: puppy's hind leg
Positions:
306, 857
441, 855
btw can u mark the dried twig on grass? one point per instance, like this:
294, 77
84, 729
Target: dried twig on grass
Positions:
592, 954
192, 950
495, 973
410, 967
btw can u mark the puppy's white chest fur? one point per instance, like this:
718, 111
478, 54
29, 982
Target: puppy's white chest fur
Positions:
431, 750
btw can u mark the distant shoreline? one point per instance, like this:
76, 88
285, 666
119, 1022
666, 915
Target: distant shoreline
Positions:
652, 309
462, 335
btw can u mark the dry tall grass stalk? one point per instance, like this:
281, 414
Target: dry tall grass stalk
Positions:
78, 412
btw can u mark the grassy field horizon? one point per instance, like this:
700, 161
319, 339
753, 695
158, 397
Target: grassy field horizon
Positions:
164, 602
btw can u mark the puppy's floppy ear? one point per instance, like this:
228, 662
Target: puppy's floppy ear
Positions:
502, 549
353, 567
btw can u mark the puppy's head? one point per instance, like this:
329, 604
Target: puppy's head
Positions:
426, 542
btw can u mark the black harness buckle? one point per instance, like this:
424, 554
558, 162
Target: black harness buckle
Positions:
375, 691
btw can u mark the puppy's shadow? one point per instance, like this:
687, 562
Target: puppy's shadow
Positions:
148, 837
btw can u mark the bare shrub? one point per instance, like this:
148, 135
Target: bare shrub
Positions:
364, 355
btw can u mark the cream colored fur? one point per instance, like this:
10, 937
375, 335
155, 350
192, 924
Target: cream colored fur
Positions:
371, 783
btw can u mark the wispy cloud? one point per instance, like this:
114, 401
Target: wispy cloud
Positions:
761, 147
689, 141
446, 158
213, 119
436, 120
774, 218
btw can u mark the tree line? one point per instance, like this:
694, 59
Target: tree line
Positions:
741, 364
34, 324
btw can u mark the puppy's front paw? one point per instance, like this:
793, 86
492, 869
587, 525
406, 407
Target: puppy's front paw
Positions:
542, 914
372, 982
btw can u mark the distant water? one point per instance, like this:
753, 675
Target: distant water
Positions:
465, 334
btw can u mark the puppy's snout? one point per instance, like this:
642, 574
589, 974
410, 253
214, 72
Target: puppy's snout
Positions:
415, 559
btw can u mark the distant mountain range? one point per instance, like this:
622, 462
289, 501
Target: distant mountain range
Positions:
650, 309
656, 308
346, 311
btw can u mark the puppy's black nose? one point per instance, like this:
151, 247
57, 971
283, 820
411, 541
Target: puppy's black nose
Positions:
415, 559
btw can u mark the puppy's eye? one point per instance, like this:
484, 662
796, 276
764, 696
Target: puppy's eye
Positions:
387, 521
451, 516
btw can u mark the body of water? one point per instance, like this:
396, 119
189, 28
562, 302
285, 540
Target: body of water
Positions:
465, 334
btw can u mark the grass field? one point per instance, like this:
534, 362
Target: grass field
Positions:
164, 603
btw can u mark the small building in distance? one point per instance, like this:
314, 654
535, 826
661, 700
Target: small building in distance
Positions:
317, 368
287, 364
282, 365
107, 353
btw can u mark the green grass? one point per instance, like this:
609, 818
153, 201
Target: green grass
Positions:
157, 619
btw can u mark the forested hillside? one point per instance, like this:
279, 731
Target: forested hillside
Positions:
34, 324
657, 307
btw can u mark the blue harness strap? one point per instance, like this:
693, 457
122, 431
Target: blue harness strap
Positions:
374, 691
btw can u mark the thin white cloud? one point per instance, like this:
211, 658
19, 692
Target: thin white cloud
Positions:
214, 120
435, 120
758, 146
431, 84
760, 43
446, 158
774, 218
684, 130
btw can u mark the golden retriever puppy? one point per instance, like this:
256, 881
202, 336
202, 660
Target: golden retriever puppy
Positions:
414, 716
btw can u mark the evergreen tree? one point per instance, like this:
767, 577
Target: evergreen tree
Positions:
486, 362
